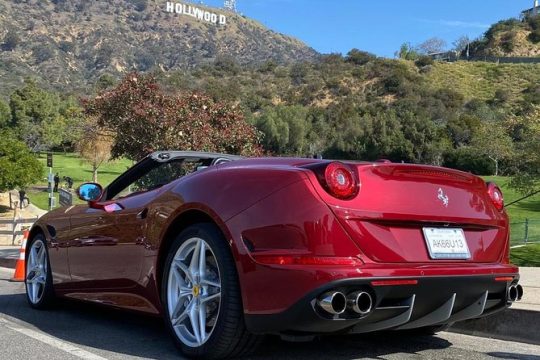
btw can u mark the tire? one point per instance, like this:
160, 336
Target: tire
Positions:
38, 275
192, 299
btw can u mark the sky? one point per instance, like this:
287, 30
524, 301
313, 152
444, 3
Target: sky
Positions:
380, 27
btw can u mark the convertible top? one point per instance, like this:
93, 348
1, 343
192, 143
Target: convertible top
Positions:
164, 156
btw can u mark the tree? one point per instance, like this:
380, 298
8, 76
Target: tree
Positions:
285, 129
527, 157
407, 52
5, 115
359, 57
32, 110
94, 145
432, 46
18, 166
143, 119
461, 44
493, 141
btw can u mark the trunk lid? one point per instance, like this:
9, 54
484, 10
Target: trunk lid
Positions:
396, 202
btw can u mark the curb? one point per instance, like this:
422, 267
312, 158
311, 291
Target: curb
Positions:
511, 324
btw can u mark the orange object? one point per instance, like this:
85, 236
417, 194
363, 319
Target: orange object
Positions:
20, 269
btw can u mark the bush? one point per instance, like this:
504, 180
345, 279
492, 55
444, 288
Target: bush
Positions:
11, 41
424, 61
359, 57
534, 36
42, 52
67, 46
465, 159
508, 41
140, 5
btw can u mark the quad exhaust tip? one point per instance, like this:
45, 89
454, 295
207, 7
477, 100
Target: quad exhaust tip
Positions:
333, 302
360, 302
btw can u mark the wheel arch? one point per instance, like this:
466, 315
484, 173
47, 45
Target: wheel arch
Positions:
35, 230
183, 220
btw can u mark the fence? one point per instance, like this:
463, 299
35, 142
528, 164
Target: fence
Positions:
16, 228
525, 232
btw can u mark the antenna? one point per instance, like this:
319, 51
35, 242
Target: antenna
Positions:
230, 5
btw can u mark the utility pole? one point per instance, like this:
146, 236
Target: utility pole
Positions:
50, 181
230, 5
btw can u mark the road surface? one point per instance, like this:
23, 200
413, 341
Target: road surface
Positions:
80, 331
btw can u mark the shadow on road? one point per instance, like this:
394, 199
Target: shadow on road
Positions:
505, 355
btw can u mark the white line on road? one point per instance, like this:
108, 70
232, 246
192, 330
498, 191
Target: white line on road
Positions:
51, 340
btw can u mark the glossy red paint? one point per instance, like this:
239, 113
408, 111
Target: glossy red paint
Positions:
278, 209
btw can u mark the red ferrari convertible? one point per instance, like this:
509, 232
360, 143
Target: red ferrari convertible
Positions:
228, 249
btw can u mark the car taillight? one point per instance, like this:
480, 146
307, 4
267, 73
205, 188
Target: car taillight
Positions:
496, 196
340, 180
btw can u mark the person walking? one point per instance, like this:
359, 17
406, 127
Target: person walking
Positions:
56, 182
22, 197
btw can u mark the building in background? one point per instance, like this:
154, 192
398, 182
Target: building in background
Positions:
534, 11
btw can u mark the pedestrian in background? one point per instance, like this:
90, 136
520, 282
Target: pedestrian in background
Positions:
56, 182
22, 197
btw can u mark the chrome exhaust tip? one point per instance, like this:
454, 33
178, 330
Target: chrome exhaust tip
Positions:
512, 293
519, 289
333, 302
360, 302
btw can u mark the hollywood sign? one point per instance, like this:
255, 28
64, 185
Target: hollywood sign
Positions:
197, 13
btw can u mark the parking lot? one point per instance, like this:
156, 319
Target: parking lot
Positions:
76, 330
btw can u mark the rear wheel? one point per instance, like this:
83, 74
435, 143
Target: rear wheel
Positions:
38, 277
201, 296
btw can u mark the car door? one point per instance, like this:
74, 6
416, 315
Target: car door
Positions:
97, 252
108, 239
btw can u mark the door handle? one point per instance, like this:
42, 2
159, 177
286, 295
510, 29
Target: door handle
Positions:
142, 214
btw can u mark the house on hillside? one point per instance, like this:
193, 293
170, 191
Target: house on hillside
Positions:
534, 11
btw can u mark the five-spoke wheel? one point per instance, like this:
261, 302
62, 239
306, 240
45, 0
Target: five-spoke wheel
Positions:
201, 296
38, 277
194, 292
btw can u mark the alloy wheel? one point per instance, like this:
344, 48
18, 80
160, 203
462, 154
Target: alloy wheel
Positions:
194, 292
36, 271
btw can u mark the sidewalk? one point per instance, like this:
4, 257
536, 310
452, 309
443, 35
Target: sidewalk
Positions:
30, 212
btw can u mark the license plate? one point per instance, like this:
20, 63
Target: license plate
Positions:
447, 244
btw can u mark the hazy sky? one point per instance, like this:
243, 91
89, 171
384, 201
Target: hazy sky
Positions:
377, 26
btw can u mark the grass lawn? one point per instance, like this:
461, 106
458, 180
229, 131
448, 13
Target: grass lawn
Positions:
528, 255
526, 209
79, 170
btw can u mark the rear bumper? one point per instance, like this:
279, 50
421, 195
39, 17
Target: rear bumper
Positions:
433, 300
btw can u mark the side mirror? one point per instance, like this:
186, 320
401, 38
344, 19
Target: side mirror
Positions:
90, 192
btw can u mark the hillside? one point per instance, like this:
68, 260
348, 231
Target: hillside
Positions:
70, 44
510, 38
481, 80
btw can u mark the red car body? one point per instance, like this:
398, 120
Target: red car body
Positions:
294, 241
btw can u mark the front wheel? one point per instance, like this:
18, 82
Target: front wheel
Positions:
201, 296
38, 277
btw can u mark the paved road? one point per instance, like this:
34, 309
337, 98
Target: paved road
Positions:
76, 331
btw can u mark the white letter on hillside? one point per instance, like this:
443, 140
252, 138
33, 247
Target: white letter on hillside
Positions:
199, 14
222, 19
170, 7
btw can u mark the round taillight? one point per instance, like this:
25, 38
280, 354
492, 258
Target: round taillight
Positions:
496, 196
340, 180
